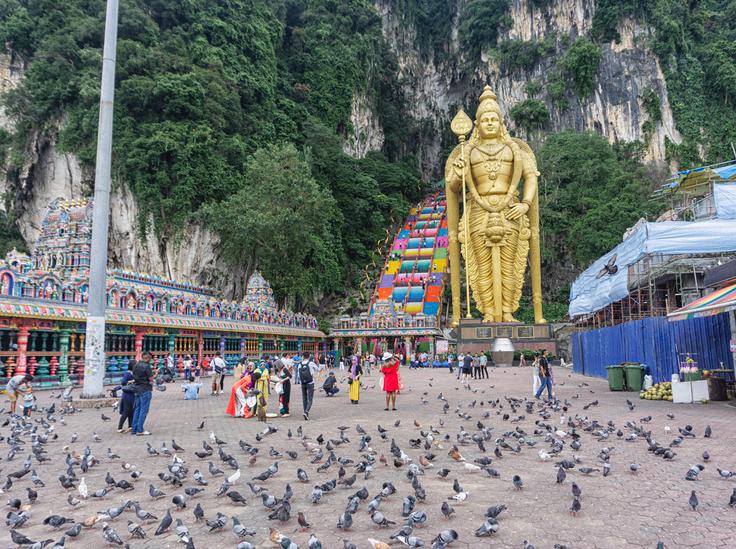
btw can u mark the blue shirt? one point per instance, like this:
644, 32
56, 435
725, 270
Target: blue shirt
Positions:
191, 391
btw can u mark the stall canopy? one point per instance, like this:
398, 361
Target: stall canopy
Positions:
607, 279
720, 301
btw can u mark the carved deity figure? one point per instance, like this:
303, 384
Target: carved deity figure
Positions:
500, 221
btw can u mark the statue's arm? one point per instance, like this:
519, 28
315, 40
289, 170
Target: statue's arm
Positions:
530, 175
454, 164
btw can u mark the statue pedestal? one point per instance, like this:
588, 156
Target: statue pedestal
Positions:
476, 336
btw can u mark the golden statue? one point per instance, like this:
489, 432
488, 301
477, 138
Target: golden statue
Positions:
500, 223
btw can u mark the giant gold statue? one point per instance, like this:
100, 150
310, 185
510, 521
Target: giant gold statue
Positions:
495, 177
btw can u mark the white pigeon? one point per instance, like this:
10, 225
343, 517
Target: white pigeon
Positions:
232, 479
544, 456
460, 496
560, 433
471, 468
82, 488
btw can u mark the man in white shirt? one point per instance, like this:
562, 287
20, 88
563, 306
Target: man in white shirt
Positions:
219, 367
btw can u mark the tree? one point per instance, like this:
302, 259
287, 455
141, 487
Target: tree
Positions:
281, 222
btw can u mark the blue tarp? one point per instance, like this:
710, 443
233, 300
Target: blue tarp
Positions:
724, 195
656, 342
589, 293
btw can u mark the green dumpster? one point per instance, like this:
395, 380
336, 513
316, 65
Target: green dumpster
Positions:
634, 376
615, 377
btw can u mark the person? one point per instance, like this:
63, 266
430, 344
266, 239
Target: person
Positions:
261, 380
284, 375
342, 364
522, 360
450, 361
239, 369
476, 366
536, 382
127, 399
307, 372
330, 385
205, 367
28, 401
355, 373
483, 366
467, 367
219, 367
460, 362
390, 371
238, 405
545, 376
17, 385
191, 389
143, 377
187, 366
170, 367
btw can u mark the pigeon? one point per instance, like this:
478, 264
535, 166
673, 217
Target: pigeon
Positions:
180, 501
182, 531
489, 527
110, 535
447, 510
378, 518
74, 530
693, 501
575, 507
345, 520
198, 512
708, 432
236, 497
303, 522
154, 492
165, 524
732, 501
217, 523
241, 531
56, 521
518, 483
561, 475
135, 530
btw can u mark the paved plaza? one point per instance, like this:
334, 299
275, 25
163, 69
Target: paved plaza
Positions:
624, 509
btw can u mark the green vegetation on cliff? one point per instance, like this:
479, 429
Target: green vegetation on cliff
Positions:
206, 92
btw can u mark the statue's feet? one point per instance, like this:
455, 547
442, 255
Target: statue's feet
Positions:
488, 318
508, 317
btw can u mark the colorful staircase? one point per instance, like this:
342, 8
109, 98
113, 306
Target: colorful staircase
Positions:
414, 274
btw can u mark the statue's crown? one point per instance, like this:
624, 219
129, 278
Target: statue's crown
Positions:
488, 103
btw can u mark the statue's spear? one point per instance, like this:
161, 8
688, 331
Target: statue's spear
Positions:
462, 125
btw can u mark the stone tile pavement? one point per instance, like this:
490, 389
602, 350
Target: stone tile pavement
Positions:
624, 509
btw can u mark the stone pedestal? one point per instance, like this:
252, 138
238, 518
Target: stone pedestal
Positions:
476, 336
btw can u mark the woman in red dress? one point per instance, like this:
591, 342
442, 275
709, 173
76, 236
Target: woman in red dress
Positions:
390, 371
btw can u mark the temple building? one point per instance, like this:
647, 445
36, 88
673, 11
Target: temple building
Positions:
43, 310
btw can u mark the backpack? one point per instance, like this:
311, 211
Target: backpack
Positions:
305, 373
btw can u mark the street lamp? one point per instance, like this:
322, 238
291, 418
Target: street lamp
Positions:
94, 351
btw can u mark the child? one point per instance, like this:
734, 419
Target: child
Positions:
191, 389
28, 401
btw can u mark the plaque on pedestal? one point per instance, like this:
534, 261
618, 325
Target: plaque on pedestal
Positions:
476, 336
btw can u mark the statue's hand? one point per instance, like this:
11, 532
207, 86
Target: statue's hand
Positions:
517, 210
458, 166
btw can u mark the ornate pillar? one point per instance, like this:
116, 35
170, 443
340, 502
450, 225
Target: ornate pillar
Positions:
242, 346
138, 344
299, 345
431, 347
407, 348
200, 349
23, 332
260, 346
171, 347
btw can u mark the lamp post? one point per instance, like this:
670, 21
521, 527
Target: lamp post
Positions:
94, 351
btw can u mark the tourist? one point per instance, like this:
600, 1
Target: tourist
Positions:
29, 400
284, 376
545, 376
127, 399
187, 366
239, 369
535, 374
342, 364
238, 405
170, 367
191, 389
467, 368
143, 377
219, 367
522, 360
483, 366
205, 367
476, 366
330, 385
390, 371
307, 372
261, 378
17, 385
355, 373
460, 362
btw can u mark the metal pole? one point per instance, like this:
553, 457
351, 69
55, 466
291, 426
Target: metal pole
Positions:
94, 367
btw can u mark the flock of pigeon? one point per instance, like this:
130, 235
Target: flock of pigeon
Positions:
163, 495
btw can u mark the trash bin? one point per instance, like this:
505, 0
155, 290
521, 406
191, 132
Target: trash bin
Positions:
634, 375
615, 377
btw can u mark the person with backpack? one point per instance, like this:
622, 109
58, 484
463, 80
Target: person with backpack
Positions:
219, 367
307, 369
545, 376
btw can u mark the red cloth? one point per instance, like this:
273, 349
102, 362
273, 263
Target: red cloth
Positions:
391, 376
244, 382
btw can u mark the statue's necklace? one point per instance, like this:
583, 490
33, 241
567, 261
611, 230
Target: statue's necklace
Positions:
491, 162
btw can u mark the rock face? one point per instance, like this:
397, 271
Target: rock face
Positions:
434, 91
